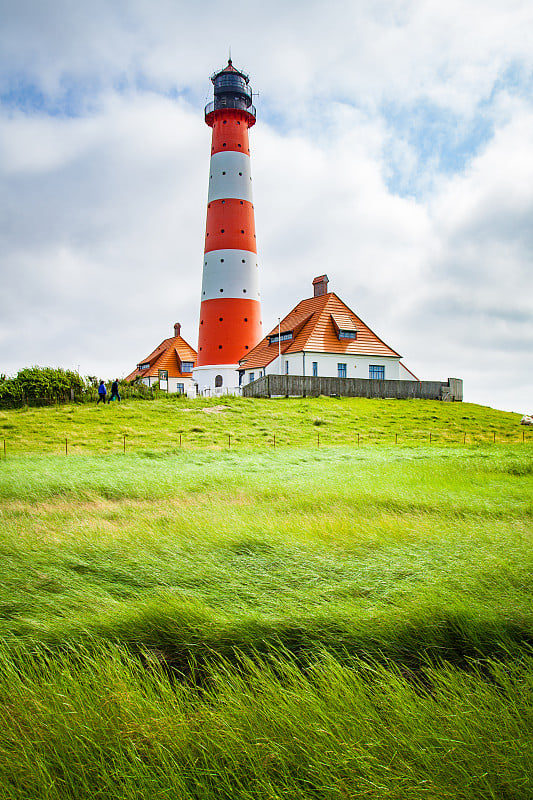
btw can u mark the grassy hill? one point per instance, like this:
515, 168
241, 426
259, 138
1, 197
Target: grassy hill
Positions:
232, 619
159, 424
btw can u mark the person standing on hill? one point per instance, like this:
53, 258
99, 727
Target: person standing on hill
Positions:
102, 392
114, 391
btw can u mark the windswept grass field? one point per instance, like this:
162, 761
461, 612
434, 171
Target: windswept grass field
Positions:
266, 622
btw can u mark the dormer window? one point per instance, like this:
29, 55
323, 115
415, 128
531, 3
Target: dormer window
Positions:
187, 366
143, 366
284, 337
347, 334
344, 325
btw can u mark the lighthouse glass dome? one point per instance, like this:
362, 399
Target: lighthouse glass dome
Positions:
234, 85
231, 90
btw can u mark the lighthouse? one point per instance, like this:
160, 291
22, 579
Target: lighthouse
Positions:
230, 309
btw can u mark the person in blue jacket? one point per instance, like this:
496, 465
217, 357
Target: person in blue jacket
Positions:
102, 392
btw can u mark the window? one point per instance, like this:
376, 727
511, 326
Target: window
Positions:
144, 366
376, 372
180, 388
283, 338
315, 369
252, 377
341, 370
187, 366
286, 368
345, 334
218, 381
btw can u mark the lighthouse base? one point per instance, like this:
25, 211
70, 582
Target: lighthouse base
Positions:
217, 379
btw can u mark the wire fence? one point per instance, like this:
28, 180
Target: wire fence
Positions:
87, 396
191, 440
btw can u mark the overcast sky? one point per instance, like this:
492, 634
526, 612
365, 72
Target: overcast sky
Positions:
393, 150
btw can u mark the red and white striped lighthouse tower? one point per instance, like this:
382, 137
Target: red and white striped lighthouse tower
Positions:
230, 311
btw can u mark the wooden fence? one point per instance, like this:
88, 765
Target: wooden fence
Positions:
307, 386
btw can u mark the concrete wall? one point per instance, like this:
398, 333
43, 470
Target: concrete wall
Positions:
299, 386
205, 378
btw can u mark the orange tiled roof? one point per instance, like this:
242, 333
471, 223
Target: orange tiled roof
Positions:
314, 322
343, 321
168, 355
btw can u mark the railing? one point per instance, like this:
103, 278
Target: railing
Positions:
230, 103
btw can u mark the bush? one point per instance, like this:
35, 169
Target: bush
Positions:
40, 386
10, 392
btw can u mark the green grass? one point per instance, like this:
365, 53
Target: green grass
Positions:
266, 622
102, 725
158, 425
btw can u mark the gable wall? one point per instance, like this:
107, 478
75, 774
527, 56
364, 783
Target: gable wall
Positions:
356, 366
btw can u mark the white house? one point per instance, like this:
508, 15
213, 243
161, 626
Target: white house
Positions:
169, 366
322, 337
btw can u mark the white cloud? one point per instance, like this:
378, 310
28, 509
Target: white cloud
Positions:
94, 229
104, 159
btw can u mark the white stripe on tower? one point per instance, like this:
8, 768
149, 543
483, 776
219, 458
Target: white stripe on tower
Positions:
230, 176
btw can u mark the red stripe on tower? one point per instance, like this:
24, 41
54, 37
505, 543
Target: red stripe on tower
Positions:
230, 310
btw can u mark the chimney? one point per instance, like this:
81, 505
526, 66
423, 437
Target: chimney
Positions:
177, 329
320, 285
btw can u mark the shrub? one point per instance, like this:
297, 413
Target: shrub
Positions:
40, 386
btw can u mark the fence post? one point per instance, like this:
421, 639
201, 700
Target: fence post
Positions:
5, 456
318, 440
396, 439
430, 437
494, 436
124, 442
464, 438
66, 446
180, 439
357, 440
274, 440
229, 441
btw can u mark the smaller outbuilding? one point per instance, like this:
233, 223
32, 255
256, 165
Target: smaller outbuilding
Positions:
322, 337
169, 366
